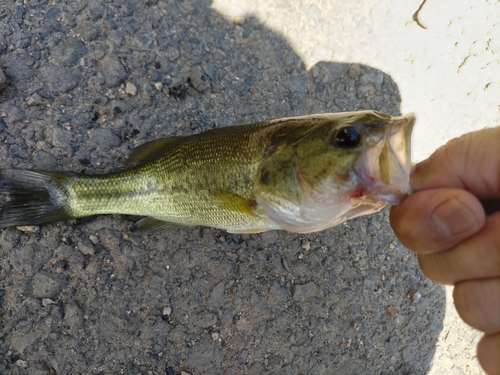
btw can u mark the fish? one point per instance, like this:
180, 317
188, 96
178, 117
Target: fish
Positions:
301, 174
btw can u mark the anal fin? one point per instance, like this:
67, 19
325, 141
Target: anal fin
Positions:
151, 224
248, 231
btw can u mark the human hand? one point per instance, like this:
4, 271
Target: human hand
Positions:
457, 242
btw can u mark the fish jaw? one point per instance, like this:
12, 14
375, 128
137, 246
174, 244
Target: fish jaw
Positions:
384, 169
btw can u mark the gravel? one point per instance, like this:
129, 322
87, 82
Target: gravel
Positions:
199, 80
113, 71
68, 52
88, 296
59, 79
16, 69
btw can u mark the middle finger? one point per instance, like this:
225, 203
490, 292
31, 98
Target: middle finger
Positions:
475, 258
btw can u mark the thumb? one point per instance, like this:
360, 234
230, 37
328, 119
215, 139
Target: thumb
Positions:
470, 162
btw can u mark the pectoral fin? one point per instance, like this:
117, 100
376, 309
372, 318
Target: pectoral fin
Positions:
235, 203
241, 206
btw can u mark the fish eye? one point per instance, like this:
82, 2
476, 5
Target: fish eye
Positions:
347, 137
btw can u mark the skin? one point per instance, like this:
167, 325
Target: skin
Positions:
453, 223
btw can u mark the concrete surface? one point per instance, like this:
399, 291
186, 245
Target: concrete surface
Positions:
86, 82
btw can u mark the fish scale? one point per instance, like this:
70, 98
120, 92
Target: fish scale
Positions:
199, 164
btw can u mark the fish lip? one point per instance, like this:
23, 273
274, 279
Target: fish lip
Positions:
384, 169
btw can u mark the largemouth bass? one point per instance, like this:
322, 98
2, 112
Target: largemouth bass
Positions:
302, 174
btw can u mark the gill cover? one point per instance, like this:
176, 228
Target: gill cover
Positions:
348, 165
277, 188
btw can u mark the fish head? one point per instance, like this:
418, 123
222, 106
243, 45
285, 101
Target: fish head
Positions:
346, 165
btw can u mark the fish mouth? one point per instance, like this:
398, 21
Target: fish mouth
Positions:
385, 168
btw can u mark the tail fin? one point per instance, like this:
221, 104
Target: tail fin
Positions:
31, 197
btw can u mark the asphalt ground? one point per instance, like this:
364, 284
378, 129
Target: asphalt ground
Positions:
88, 81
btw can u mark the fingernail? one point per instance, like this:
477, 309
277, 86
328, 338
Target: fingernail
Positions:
452, 218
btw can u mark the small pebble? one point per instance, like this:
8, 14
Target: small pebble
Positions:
158, 86
59, 80
146, 90
94, 239
113, 71
15, 114
172, 53
215, 336
393, 312
417, 296
48, 301
199, 79
47, 285
414, 295
35, 99
28, 228
354, 71
21, 363
167, 310
105, 139
238, 20
130, 89
205, 320
85, 247
306, 245
411, 293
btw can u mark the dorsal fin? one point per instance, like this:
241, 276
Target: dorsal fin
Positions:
148, 151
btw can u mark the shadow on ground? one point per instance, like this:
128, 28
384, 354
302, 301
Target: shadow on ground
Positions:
86, 296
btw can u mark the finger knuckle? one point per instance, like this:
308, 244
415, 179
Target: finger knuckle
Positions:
431, 267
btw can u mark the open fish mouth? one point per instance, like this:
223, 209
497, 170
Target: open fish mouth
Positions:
384, 168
